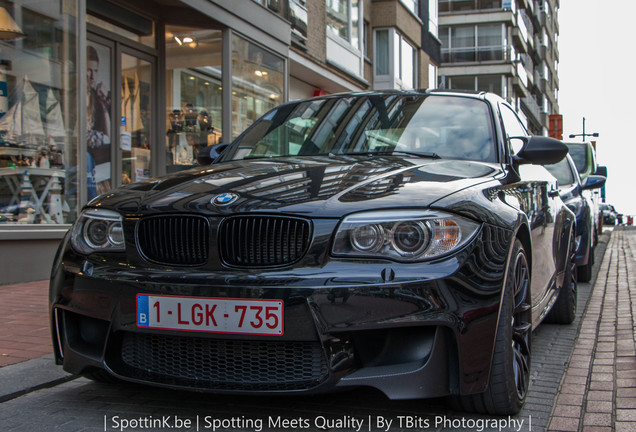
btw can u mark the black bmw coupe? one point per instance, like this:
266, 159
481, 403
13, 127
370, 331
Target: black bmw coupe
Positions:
406, 241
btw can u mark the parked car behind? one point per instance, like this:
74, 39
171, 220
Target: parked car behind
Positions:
406, 241
610, 215
584, 158
571, 190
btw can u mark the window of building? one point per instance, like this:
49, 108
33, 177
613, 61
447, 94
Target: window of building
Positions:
487, 83
396, 61
469, 5
407, 66
382, 53
433, 17
38, 116
343, 19
412, 5
483, 42
345, 35
432, 76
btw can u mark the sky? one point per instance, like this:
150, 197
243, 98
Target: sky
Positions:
596, 60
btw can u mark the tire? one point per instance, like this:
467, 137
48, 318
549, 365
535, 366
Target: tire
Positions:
510, 369
584, 272
564, 309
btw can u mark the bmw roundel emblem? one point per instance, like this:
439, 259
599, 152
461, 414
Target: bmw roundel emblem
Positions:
224, 199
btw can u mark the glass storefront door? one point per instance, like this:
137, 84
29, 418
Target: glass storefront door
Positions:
99, 133
120, 101
194, 95
136, 130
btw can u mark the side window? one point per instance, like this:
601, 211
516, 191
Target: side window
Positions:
562, 172
513, 127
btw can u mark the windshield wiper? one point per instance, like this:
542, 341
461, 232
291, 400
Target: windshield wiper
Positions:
427, 155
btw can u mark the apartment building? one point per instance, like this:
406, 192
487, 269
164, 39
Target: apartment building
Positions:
509, 47
96, 94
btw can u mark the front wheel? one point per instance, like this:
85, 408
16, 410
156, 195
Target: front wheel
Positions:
510, 369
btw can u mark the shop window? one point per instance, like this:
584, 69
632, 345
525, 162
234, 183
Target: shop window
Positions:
99, 133
193, 93
38, 114
258, 83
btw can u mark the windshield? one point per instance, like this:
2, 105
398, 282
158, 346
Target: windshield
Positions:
579, 156
418, 125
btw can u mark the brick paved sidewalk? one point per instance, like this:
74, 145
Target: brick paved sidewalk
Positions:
24, 322
598, 391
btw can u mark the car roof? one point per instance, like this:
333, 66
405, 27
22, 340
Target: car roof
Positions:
430, 92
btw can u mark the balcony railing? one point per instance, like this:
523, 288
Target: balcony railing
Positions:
475, 54
473, 5
532, 107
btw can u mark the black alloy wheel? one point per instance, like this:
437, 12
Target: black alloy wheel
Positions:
510, 370
521, 324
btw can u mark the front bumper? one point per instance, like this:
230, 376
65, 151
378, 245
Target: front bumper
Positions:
411, 331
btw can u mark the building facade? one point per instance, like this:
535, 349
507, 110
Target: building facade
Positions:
96, 94
509, 47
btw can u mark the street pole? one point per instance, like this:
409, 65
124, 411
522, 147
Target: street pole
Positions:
583, 136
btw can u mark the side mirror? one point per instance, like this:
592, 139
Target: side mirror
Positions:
210, 154
541, 150
602, 171
593, 182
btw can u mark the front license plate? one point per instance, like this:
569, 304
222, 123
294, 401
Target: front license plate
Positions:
214, 315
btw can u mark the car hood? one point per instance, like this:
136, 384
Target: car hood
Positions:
329, 186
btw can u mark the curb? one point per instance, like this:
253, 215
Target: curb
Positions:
22, 378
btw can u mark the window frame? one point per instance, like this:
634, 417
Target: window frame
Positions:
394, 79
476, 50
342, 52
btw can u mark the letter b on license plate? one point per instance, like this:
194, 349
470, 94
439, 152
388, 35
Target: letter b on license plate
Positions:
214, 315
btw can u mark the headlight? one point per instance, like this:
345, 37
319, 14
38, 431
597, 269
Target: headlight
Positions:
98, 230
406, 236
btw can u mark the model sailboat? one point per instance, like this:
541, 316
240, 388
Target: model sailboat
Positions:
22, 124
54, 121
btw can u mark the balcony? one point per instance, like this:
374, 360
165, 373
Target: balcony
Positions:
532, 108
470, 6
519, 40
